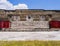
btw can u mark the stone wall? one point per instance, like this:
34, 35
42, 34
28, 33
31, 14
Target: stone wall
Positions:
24, 25
20, 19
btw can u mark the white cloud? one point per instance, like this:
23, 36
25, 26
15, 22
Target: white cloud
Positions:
21, 6
4, 4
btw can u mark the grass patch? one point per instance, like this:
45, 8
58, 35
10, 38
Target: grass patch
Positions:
30, 43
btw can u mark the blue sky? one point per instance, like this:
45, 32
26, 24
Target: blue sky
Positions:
30, 4
38, 4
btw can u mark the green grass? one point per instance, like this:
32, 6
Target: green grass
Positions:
30, 43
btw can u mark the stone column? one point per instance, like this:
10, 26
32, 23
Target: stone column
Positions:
18, 18
42, 17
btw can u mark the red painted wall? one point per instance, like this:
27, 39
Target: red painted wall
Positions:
54, 24
4, 24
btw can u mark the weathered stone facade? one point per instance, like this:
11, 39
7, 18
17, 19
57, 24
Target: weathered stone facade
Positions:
29, 19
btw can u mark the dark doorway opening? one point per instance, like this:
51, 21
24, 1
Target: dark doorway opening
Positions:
0, 29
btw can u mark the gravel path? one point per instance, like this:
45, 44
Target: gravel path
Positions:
30, 35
